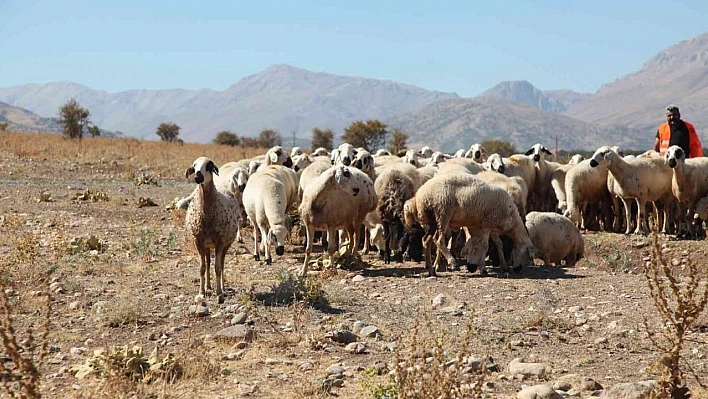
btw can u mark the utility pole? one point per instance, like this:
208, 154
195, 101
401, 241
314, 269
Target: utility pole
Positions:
555, 153
294, 132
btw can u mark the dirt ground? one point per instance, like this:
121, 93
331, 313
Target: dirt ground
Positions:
135, 289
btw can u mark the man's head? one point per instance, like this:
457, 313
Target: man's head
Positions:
672, 114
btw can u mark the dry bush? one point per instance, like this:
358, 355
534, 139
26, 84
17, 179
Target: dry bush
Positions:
679, 302
25, 350
433, 363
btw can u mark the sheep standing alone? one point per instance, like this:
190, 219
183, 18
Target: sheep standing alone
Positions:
267, 197
340, 198
555, 238
212, 219
456, 201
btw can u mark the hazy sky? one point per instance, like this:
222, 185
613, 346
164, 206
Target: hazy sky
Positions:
461, 46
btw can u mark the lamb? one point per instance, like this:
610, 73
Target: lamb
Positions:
456, 201
394, 186
689, 183
267, 197
340, 198
641, 179
477, 153
212, 221
555, 238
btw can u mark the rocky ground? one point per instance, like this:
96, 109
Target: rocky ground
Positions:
121, 275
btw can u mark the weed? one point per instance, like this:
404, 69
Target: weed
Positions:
171, 240
289, 289
618, 260
122, 311
680, 303
130, 363
146, 245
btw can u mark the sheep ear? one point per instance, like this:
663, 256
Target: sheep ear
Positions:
273, 157
338, 176
546, 151
212, 168
529, 152
189, 171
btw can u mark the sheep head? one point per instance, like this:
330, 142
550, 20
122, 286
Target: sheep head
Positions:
295, 151
426, 152
203, 170
674, 155
345, 154
522, 255
496, 163
477, 153
603, 154
279, 233
277, 156
537, 150
301, 161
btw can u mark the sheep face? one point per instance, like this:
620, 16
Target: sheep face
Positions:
278, 156
295, 151
475, 251
280, 234
320, 151
537, 150
411, 157
345, 154
496, 163
203, 170
300, 162
426, 152
239, 179
438, 158
603, 154
381, 152
576, 159
363, 160
477, 153
522, 255
674, 155
343, 177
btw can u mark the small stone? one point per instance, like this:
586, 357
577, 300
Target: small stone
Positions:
358, 278
240, 318
77, 351
236, 333
631, 390
574, 309
496, 309
538, 392
601, 341
74, 305
342, 336
198, 310
613, 325
335, 370
358, 325
452, 310
371, 331
439, 300
272, 361
562, 386
517, 366
356, 347
306, 366
590, 385
160, 297
234, 355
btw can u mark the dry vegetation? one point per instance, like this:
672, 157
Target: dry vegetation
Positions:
118, 281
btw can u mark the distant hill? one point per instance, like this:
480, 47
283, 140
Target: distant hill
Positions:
678, 74
453, 124
281, 97
526, 93
22, 120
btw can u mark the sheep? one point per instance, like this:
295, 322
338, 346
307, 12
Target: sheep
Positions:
641, 179
425, 152
344, 154
295, 151
412, 157
381, 152
555, 238
702, 208
212, 219
365, 162
689, 183
340, 198
541, 198
277, 156
438, 158
300, 162
576, 159
471, 166
519, 165
558, 186
394, 186
267, 197
460, 153
494, 163
456, 201
385, 160
253, 166
477, 153
320, 151
515, 186
311, 172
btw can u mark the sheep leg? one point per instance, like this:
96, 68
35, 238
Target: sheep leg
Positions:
387, 242
356, 230
309, 232
256, 254
500, 251
627, 216
641, 221
219, 272
331, 244
265, 241
207, 273
202, 270
442, 249
427, 244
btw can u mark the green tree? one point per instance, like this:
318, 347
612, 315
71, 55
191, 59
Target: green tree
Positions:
269, 138
168, 131
94, 131
501, 147
3, 126
322, 138
227, 138
398, 141
370, 134
75, 119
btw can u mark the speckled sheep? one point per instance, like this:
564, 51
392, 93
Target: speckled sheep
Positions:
212, 220
689, 183
555, 238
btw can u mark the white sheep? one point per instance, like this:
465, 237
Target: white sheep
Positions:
425, 152
457, 201
212, 220
515, 186
381, 152
386, 159
454, 164
555, 238
267, 197
365, 162
320, 151
311, 172
576, 159
477, 153
344, 154
558, 186
438, 157
641, 179
412, 158
296, 151
340, 198
494, 163
302, 161
277, 156
460, 153
689, 183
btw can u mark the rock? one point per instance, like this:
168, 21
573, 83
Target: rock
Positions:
574, 309
356, 348
240, 318
306, 366
198, 310
562, 386
538, 392
74, 305
342, 336
77, 351
588, 384
601, 341
517, 366
613, 325
358, 325
495, 309
272, 361
452, 310
234, 355
439, 300
630, 390
371, 331
237, 333
241, 345
160, 297
335, 370
358, 278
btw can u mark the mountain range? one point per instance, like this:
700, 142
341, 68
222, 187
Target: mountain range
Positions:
293, 101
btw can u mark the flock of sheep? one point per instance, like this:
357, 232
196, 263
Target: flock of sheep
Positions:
481, 209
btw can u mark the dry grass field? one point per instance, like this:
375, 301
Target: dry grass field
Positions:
76, 240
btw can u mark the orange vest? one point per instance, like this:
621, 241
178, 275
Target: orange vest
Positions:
695, 147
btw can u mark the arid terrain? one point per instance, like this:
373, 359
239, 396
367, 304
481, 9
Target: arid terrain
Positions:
133, 285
